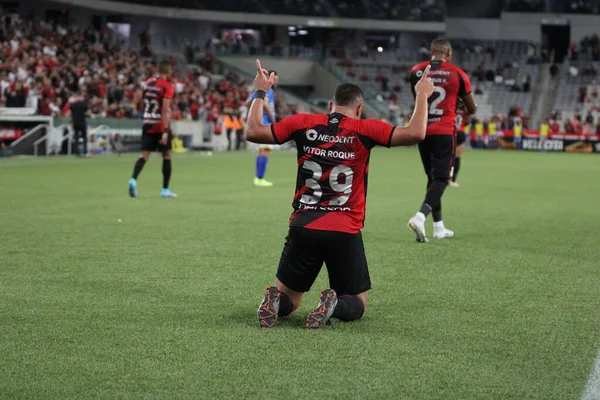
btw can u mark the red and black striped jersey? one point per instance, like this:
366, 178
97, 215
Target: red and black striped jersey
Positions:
333, 167
461, 120
155, 90
450, 83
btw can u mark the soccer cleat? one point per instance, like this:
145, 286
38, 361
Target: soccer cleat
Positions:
133, 188
262, 182
454, 184
442, 233
320, 315
417, 224
269, 308
167, 193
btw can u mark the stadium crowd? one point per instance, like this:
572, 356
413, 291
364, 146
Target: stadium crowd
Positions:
43, 65
578, 122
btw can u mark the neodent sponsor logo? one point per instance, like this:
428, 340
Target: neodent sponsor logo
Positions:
311, 134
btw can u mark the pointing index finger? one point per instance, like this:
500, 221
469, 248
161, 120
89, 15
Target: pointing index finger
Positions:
426, 72
259, 67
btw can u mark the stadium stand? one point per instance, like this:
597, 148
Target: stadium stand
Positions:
577, 89
525, 5
503, 74
575, 6
45, 64
415, 10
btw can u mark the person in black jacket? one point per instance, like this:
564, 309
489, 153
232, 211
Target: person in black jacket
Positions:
79, 111
16, 97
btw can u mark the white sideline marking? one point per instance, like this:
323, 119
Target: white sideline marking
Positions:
592, 388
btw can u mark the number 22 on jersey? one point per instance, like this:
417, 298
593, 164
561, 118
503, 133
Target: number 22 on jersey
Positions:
150, 109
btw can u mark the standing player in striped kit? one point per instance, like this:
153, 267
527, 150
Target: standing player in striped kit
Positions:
437, 150
156, 133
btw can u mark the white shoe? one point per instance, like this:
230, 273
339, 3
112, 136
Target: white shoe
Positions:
417, 224
454, 184
442, 233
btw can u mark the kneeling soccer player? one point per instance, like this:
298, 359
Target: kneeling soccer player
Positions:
330, 199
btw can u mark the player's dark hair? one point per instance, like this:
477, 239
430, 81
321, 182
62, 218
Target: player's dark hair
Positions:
441, 45
348, 93
164, 67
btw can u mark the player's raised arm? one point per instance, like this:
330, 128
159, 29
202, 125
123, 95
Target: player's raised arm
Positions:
417, 126
257, 132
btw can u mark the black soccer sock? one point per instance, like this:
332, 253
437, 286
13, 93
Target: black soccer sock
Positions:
437, 213
285, 305
456, 168
349, 308
425, 209
166, 170
139, 164
433, 197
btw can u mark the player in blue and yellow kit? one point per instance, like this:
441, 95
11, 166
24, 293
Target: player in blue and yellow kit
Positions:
262, 159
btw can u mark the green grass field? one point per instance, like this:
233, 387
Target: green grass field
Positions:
162, 304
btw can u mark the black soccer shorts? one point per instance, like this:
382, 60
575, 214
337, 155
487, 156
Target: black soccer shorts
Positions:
437, 155
306, 250
460, 138
151, 142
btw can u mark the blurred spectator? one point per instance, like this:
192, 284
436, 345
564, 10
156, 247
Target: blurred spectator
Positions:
16, 95
582, 94
589, 119
527, 83
393, 110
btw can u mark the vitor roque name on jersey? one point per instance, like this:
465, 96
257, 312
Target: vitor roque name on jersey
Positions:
343, 155
313, 135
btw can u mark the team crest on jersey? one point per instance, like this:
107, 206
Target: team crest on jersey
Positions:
419, 73
334, 121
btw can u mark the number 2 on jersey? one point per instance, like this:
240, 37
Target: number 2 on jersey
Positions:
150, 109
313, 183
441, 96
